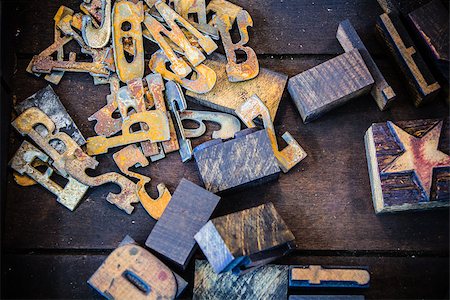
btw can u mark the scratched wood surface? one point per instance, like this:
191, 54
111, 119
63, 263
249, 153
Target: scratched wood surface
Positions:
325, 200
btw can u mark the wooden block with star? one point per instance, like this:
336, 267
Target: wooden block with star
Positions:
409, 164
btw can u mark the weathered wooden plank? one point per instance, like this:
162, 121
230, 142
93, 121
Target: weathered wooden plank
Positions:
288, 27
329, 85
266, 282
432, 27
407, 168
227, 96
189, 209
349, 39
246, 160
421, 83
392, 277
301, 196
246, 239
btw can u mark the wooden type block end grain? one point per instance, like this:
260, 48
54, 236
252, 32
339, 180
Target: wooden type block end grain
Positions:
266, 282
349, 39
330, 84
244, 240
246, 160
431, 24
421, 82
189, 209
409, 165
314, 276
131, 272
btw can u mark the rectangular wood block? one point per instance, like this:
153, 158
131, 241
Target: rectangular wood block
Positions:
409, 165
349, 39
266, 282
422, 84
189, 209
131, 272
245, 240
244, 161
432, 27
314, 276
329, 85
226, 96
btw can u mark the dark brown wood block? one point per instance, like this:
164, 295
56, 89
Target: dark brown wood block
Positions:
381, 91
245, 240
329, 85
409, 165
245, 161
189, 209
431, 23
422, 85
266, 282
326, 297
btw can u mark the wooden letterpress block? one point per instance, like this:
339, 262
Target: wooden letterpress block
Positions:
349, 39
244, 161
328, 277
432, 27
189, 209
226, 96
330, 84
266, 282
245, 240
421, 82
131, 272
409, 165
326, 297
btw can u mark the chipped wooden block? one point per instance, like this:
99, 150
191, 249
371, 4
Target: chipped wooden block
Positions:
409, 166
131, 272
266, 282
329, 85
245, 240
349, 39
431, 24
247, 160
421, 83
226, 96
189, 209
328, 277
326, 297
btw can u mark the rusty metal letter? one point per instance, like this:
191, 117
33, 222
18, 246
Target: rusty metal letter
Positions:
73, 161
229, 124
177, 104
205, 77
249, 68
70, 195
132, 156
127, 18
158, 131
289, 156
98, 37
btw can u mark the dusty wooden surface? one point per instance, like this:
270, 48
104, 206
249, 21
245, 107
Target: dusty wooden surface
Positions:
50, 252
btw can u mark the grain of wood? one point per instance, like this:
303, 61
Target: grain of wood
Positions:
242, 162
244, 240
421, 83
329, 85
189, 209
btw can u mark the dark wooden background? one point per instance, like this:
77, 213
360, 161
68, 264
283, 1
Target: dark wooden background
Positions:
50, 252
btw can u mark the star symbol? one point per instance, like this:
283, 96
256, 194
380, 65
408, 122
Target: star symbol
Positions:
421, 155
